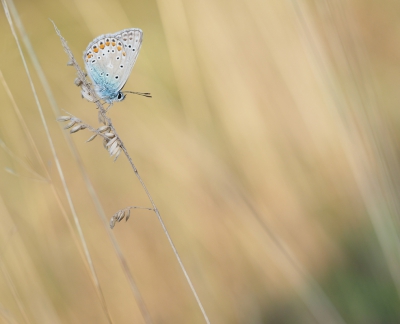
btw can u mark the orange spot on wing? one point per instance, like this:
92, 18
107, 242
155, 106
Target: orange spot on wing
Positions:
102, 46
96, 50
119, 48
123, 53
108, 43
113, 43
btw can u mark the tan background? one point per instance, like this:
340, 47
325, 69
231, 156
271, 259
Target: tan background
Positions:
270, 147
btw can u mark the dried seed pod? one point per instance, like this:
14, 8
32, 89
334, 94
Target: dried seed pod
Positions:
70, 63
120, 215
113, 148
128, 214
111, 141
103, 128
78, 82
63, 118
109, 135
72, 123
91, 138
105, 143
76, 129
112, 222
118, 153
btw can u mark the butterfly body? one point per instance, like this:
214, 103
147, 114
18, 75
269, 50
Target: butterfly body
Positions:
109, 60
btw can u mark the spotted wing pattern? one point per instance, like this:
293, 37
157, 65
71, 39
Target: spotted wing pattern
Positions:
109, 60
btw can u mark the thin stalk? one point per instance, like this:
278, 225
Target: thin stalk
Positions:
135, 170
14, 290
117, 249
107, 121
89, 186
166, 233
58, 166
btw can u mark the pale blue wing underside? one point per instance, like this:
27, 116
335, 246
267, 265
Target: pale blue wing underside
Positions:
109, 60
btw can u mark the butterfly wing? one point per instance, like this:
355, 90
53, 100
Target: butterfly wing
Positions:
109, 60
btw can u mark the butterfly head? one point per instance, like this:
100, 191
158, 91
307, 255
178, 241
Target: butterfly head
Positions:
120, 96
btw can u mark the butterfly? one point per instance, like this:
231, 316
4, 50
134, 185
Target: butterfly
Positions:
109, 60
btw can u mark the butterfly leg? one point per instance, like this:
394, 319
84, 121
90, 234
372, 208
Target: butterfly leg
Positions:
109, 107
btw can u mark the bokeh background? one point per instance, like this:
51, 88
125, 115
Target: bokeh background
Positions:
270, 147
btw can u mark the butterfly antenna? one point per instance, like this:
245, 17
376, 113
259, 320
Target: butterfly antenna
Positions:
144, 94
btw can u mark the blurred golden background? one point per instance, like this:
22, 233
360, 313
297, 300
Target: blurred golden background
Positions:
270, 147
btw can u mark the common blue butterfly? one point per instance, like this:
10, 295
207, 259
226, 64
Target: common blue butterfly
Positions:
109, 60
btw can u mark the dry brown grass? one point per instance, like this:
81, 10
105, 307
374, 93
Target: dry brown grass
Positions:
269, 146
